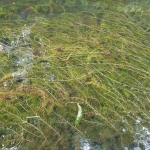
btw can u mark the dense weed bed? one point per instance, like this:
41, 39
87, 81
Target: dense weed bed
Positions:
98, 60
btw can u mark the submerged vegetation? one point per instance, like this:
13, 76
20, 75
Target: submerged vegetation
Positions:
65, 77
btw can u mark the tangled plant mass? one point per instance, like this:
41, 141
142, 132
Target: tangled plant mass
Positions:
83, 74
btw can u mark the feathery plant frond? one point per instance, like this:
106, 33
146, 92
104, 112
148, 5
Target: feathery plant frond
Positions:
96, 59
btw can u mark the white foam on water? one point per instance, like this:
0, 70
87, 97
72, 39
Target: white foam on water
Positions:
85, 145
1, 47
142, 136
12, 148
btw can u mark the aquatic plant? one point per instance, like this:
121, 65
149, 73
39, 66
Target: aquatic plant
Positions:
95, 60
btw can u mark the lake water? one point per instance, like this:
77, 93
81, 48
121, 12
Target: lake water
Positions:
74, 74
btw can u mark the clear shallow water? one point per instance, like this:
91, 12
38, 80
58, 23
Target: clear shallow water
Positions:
22, 62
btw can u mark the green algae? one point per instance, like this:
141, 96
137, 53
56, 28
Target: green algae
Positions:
99, 59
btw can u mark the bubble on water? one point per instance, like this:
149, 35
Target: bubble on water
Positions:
1, 47
3, 136
124, 130
138, 120
5, 84
53, 77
